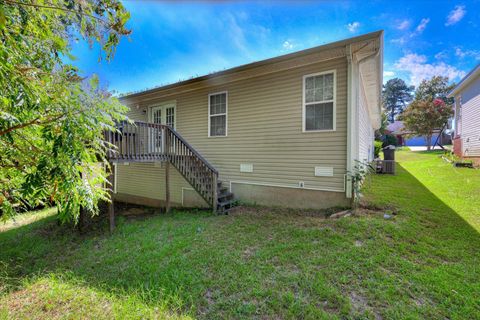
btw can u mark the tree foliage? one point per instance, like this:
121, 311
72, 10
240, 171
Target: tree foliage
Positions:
383, 126
431, 108
396, 94
436, 87
424, 116
51, 120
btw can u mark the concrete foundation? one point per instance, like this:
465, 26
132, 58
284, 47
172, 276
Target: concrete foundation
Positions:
288, 197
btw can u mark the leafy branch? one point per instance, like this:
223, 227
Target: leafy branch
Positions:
36, 5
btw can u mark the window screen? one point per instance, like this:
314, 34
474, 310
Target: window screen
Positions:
218, 114
319, 102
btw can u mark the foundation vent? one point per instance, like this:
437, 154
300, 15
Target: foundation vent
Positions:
323, 172
246, 167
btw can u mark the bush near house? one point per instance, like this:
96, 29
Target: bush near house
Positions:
390, 140
378, 145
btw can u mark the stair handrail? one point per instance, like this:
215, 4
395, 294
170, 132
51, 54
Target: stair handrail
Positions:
208, 191
195, 152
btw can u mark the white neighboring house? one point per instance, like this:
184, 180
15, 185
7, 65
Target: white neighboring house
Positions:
466, 141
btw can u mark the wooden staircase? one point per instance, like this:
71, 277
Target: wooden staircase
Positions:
225, 198
147, 142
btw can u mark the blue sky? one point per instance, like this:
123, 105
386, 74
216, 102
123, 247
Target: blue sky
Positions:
174, 41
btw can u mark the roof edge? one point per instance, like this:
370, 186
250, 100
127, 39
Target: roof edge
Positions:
251, 65
466, 80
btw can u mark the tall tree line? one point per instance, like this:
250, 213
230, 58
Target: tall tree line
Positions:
396, 95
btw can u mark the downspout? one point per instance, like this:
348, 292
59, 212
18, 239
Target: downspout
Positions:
348, 179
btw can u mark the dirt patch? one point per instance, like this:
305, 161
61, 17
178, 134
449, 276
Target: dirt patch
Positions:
358, 243
249, 252
375, 208
261, 211
137, 212
360, 305
209, 297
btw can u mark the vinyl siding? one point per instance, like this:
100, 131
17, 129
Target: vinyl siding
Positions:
470, 119
365, 128
148, 180
264, 129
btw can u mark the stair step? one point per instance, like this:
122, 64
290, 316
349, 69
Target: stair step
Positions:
224, 203
224, 206
225, 196
225, 211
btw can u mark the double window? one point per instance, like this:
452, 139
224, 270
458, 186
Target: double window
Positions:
217, 114
319, 101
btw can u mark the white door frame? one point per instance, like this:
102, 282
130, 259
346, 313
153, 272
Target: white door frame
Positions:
163, 120
164, 106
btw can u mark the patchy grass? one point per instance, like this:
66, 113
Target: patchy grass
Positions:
26, 219
263, 263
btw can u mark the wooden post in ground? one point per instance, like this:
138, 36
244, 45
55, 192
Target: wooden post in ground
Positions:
82, 220
214, 192
167, 186
111, 205
167, 171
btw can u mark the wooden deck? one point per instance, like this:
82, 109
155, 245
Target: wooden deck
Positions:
149, 142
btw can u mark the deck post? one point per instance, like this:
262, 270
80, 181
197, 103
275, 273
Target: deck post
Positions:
167, 171
214, 192
111, 205
167, 186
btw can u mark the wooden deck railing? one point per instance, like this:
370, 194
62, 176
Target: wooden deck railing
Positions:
136, 142
149, 142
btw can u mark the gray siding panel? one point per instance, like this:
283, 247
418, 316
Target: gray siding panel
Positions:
365, 129
470, 106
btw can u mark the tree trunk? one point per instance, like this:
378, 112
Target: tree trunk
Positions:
429, 141
82, 220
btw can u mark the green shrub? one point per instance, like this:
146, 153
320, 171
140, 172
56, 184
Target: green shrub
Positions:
377, 148
390, 139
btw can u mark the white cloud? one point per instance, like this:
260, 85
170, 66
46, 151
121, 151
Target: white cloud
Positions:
418, 68
455, 15
400, 41
467, 53
441, 55
352, 27
237, 34
422, 25
403, 25
418, 30
287, 45
388, 73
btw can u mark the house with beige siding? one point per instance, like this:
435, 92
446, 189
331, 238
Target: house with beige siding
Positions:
286, 131
466, 142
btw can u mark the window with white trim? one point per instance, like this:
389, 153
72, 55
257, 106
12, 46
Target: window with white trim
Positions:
217, 114
319, 101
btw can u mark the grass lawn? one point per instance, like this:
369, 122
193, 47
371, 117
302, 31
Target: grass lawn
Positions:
262, 263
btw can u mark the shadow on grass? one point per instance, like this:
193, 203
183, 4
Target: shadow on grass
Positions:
407, 193
190, 261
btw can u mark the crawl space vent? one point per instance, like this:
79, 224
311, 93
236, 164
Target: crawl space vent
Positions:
323, 172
